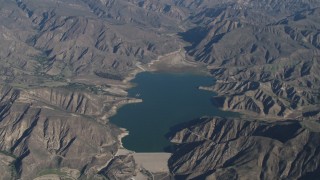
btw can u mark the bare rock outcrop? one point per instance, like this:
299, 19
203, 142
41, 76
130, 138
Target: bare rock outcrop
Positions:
64, 66
121, 167
242, 149
267, 68
41, 134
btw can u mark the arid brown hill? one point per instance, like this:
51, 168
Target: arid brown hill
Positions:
64, 66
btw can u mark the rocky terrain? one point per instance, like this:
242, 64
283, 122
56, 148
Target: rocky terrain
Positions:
264, 66
48, 128
216, 148
265, 57
62, 69
64, 66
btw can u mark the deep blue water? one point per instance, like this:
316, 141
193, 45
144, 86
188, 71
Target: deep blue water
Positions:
168, 99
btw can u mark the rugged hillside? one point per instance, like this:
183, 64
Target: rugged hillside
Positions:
62, 66
69, 38
265, 57
45, 129
267, 65
216, 148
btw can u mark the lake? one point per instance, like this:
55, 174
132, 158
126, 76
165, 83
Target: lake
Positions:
168, 99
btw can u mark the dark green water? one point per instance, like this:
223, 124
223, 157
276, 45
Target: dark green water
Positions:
168, 99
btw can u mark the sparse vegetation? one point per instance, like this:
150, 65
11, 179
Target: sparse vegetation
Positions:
8, 154
52, 171
13, 170
86, 87
263, 53
109, 76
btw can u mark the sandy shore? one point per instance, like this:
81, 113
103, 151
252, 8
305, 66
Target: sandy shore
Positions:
175, 61
122, 135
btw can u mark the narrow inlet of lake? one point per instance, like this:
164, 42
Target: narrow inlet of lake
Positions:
168, 99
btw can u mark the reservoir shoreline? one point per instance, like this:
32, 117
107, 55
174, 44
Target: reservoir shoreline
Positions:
145, 160
168, 99
175, 64
168, 63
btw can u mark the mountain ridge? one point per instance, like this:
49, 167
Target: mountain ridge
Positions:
65, 65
